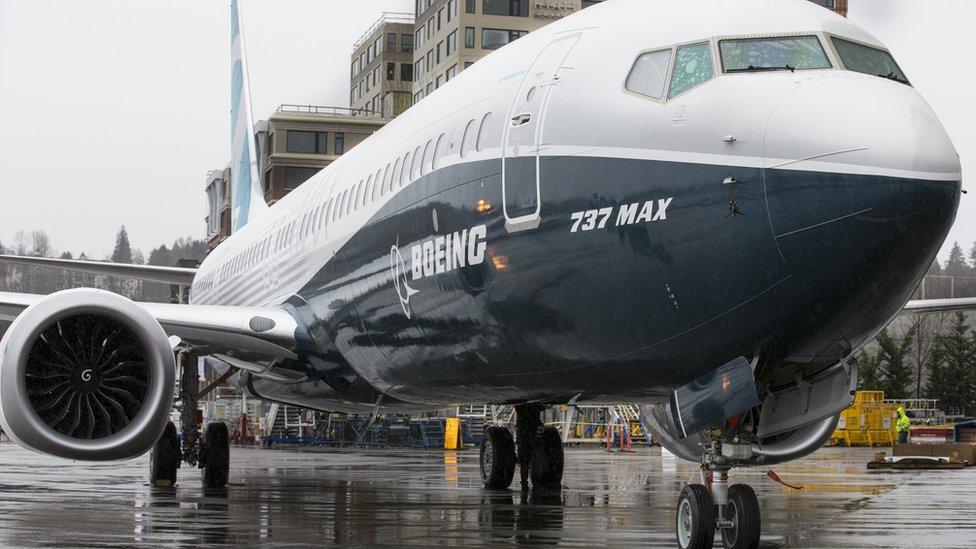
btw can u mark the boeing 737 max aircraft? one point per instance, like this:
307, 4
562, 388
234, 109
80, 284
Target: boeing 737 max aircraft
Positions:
703, 206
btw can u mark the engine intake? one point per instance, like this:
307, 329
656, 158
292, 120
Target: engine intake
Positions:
86, 374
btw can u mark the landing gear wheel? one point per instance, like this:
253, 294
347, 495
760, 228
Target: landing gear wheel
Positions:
547, 460
695, 518
497, 458
743, 511
165, 458
215, 455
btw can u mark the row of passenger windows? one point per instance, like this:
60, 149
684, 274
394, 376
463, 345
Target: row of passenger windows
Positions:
397, 173
653, 72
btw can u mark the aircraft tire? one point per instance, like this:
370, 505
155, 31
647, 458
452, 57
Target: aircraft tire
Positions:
695, 518
165, 457
497, 458
215, 455
548, 460
743, 511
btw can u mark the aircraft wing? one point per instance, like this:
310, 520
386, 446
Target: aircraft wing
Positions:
940, 305
248, 334
167, 275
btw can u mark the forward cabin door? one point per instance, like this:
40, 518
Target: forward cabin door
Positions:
522, 134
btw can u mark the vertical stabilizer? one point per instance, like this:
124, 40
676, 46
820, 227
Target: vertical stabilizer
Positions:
247, 200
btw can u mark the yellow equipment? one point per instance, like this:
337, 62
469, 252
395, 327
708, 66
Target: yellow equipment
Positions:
867, 422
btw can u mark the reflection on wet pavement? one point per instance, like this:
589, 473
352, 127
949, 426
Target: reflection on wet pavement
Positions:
409, 497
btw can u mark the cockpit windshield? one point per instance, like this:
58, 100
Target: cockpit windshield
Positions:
868, 60
773, 53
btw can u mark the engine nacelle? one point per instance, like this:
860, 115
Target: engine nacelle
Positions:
86, 374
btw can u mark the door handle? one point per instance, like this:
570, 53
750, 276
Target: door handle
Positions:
520, 119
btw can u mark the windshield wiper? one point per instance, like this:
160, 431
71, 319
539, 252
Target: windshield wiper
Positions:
753, 68
892, 76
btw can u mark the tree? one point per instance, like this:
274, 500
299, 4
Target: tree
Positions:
926, 326
887, 369
952, 376
972, 256
123, 251
137, 257
956, 265
66, 255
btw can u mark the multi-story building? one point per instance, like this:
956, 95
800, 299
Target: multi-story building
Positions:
382, 66
218, 207
450, 35
300, 140
840, 6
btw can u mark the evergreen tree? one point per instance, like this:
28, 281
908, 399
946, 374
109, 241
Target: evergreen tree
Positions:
123, 251
972, 257
869, 372
952, 375
956, 265
897, 374
66, 255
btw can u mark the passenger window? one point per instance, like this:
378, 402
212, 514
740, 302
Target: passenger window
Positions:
428, 157
650, 74
438, 152
868, 60
359, 195
370, 187
379, 179
483, 133
692, 67
405, 173
415, 168
467, 139
395, 176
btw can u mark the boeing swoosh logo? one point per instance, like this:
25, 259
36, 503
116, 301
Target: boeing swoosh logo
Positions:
399, 269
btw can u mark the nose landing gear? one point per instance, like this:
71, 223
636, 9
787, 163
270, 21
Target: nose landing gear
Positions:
732, 510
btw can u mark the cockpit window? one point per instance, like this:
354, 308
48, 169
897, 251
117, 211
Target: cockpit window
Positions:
692, 66
650, 74
773, 53
868, 60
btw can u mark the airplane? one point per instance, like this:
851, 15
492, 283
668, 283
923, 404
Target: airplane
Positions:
705, 207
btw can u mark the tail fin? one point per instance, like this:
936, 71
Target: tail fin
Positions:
247, 194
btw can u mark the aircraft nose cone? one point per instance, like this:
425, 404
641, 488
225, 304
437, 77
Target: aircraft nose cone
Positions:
862, 184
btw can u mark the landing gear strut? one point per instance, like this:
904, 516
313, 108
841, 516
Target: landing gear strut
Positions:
732, 510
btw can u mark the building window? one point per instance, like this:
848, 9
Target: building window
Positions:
440, 81
430, 61
391, 42
295, 176
468, 37
430, 88
492, 39
451, 73
305, 142
451, 10
451, 43
376, 75
418, 96
420, 7
430, 27
406, 43
369, 54
440, 52
420, 37
518, 8
406, 72
377, 44
588, 3
339, 146
391, 71
469, 6
440, 18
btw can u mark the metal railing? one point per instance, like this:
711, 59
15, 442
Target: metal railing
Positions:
387, 17
944, 286
327, 110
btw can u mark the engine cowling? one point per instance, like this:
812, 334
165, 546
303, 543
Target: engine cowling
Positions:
86, 374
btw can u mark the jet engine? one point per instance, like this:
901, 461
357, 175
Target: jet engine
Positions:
86, 374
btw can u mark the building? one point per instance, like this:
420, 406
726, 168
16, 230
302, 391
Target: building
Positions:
218, 207
450, 35
297, 141
840, 6
382, 66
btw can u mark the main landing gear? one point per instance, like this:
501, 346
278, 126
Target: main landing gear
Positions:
732, 510
537, 449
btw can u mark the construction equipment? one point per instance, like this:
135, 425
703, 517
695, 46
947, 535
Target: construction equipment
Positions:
870, 421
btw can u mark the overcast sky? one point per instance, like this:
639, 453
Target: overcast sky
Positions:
114, 110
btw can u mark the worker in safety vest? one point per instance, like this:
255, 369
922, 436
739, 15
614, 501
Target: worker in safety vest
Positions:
902, 426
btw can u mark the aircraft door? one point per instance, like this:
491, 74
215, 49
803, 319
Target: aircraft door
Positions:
521, 138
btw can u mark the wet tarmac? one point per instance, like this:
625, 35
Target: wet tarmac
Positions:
324, 496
